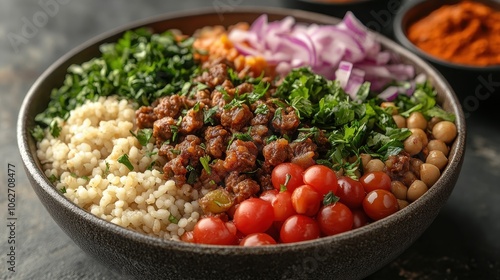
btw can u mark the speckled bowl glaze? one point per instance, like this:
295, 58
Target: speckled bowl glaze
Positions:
351, 255
466, 79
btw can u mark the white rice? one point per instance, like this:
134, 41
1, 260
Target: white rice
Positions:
84, 160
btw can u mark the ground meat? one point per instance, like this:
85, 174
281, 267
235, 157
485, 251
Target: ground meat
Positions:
216, 139
245, 189
176, 170
244, 88
241, 156
190, 150
168, 151
304, 152
259, 134
212, 179
169, 106
162, 129
398, 165
285, 121
263, 176
277, 152
215, 76
192, 121
236, 118
263, 115
145, 117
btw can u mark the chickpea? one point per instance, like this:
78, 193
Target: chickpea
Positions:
399, 120
445, 131
408, 178
437, 158
433, 121
394, 109
402, 203
415, 165
420, 133
365, 158
429, 174
374, 165
413, 144
399, 190
438, 145
416, 190
416, 120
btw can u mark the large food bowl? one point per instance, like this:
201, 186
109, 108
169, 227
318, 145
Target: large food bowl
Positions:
351, 255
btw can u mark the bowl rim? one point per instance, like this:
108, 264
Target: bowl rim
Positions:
31, 167
400, 35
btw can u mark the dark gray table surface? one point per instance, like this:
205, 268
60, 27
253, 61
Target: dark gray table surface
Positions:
462, 243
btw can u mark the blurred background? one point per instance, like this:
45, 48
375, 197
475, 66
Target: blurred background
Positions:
462, 243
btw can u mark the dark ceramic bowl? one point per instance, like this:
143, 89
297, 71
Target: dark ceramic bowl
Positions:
473, 84
351, 255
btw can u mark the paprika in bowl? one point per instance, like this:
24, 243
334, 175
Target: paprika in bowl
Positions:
461, 38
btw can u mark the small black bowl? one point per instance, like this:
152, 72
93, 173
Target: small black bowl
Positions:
478, 87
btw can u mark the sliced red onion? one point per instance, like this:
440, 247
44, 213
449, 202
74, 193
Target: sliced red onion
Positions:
389, 94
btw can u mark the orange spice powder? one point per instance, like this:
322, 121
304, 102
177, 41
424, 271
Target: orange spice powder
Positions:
467, 33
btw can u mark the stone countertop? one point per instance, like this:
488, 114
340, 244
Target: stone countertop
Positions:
462, 243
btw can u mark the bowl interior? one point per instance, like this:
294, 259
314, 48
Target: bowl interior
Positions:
353, 254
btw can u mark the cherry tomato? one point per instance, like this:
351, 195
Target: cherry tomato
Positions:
360, 218
334, 218
212, 230
269, 195
321, 178
376, 180
287, 174
188, 236
253, 215
379, 204
299, 228
283, 206
257, 239
350, 192
306, 200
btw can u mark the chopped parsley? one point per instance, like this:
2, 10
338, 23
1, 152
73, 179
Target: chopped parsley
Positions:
143, 135
126, 161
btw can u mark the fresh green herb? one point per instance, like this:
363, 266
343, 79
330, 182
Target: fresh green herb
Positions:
143, 135
205, 160
107, 168
62, 190
126, 161
261, 109
140, 66
151, 153
151, 165
54, 128
287, 180
173, 219
208, 115
53, 178
330, 198
38, 133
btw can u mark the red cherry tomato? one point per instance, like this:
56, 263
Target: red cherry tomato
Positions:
359, 218
376, 180
188, 236
334, 218
288, 175
379, 204
269, 195
283, 206
299, 228
350, 192
212, 230
257, 239
321, 178
253, 215
306, 200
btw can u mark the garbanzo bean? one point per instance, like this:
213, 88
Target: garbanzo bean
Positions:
433, 121
374, 165
415, 165
416, 190
365, 158
445, 131
413, 144
429, 174
402, 203
416, 120
437, 158
438, 145
408, 178
420, 133
398, 189
394, 109
399, 120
